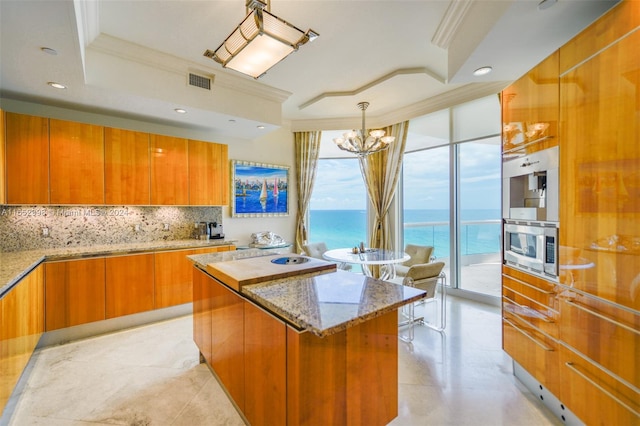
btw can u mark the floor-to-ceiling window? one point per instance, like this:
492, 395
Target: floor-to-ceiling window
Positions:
338, 209
451, 191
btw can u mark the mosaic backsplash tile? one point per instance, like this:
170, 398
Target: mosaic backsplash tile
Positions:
22, 227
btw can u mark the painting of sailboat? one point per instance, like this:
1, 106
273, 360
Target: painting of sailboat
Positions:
259, 189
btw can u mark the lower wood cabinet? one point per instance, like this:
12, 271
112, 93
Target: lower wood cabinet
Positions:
173, 275
277, 375
75, 292
129, 284
21, 325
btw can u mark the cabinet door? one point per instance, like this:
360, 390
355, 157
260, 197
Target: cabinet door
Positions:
169, 171
530, 110
173, 278
202, 293
208, 174
599, 163
265, 364
3, 157
21, 325
127, 170
227, 339
77, 163
27, 152
75, 292
129, 284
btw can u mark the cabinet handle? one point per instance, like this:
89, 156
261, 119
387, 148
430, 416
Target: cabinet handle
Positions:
599, 315
518, 148
529, 285
600, 388
538, 315
527, 335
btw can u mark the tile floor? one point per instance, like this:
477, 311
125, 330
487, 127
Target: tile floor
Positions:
151, 376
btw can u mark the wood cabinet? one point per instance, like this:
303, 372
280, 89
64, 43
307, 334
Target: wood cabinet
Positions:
530, 110
76, 168
75, 292
21, 325
129, 284
169, 170
265, 367
278, 375
589, 338
3, 157
127, 167
208, 174
27, 159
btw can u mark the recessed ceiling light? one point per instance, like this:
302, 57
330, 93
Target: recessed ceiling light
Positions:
232, 120
260, 127
180, 111
546, 4
56, 85
482, 71
49, 50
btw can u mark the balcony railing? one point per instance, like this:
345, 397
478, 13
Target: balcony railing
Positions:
477, 236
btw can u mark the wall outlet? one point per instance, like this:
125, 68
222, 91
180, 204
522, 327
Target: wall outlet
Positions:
165, 226
136, 227
45, 231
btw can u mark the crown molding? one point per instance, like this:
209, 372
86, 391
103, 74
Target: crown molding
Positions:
389, 76
460, 95
451, 21
128, 51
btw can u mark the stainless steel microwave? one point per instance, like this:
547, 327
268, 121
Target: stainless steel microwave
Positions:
532, 247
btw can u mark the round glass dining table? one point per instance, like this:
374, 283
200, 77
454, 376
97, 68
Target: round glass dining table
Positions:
387, 259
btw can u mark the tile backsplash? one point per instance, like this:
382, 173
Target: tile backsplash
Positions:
24, 227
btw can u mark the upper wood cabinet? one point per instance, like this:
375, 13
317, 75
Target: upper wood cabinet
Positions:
27, 159
127, 168
530, 110
169, 170
77, 163
208, 174
75, 292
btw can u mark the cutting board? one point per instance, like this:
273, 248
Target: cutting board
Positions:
254, 270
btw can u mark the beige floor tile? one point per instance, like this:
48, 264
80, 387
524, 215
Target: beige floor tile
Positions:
151, 376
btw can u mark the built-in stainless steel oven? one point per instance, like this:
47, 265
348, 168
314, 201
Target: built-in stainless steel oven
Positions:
532, 247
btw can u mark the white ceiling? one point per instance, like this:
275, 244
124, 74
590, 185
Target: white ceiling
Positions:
131, 58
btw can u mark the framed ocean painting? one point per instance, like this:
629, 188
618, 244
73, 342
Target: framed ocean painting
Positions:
259, 189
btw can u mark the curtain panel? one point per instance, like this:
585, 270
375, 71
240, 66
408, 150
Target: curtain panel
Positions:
307, 151
381, 171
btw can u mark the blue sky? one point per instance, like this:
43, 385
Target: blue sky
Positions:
339, 184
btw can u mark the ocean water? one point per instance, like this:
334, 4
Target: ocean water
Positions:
346, 228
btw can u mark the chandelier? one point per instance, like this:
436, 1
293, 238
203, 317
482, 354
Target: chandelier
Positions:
259, 42
355, 142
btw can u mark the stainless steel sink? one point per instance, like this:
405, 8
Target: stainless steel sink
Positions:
290, 260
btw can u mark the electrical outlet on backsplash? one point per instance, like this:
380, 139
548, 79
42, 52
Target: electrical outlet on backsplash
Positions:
79, 226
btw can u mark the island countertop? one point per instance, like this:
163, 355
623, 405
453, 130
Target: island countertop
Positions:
321, 303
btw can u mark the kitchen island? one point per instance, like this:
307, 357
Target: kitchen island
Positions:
316, 347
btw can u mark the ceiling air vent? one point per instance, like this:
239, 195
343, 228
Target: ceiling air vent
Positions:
200, 81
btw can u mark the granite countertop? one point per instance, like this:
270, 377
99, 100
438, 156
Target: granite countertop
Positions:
15, 265
321, 303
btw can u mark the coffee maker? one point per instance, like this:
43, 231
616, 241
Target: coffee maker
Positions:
215, 230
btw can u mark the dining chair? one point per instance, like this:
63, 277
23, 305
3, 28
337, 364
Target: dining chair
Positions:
316, 250
427, 277
419, 254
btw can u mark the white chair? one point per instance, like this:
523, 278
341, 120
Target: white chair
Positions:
419, 254
316, 250
425, 276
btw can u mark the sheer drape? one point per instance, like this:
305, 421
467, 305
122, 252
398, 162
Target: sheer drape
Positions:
307, 148
380, 172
